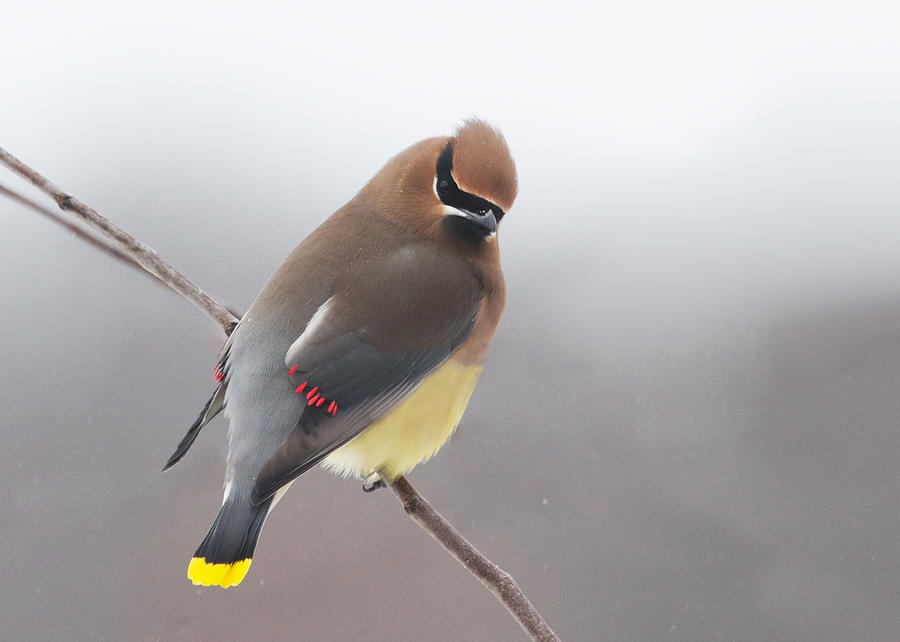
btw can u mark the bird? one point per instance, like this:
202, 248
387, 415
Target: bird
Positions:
363, 349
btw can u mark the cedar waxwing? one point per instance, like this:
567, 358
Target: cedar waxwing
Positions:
362, 351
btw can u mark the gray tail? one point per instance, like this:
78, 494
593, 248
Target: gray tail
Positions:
225, 554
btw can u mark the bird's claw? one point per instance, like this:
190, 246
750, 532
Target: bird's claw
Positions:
373, 483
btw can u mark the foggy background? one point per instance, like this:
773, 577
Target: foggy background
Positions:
688, 425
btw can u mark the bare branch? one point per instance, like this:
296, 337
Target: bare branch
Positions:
498, 581
141, 253
79, 232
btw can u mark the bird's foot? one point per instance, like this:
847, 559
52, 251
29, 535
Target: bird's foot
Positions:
372, 483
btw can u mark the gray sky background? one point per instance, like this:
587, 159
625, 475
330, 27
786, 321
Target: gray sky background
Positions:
687, 428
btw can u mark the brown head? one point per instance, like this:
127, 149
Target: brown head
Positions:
482, 165
462, 185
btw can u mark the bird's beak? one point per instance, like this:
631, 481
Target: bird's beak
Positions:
485, 223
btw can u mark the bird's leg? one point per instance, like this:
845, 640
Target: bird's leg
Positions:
372, 483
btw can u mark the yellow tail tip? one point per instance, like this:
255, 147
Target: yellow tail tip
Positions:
224, 575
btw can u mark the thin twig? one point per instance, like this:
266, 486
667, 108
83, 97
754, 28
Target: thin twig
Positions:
498, 581
80, 233
143, 254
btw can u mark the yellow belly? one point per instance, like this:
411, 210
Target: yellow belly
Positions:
414, 431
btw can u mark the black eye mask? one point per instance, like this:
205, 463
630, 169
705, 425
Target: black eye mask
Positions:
450, 194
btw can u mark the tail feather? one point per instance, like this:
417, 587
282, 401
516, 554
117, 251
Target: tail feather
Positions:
224, 557
212, 408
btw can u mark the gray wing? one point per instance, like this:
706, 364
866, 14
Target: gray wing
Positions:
390, 324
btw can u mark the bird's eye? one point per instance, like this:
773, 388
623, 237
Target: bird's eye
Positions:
443, 187
484, 210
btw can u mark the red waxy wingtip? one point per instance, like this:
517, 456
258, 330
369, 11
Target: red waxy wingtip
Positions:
292, 370
301, 387
312, 401
311, 392
320, 401
331, 406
